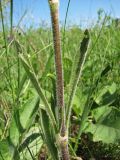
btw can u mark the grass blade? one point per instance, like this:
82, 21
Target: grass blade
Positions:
68, 5
38, 88
48, 137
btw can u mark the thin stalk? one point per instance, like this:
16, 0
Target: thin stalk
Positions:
11, 16
18, 51
63, 138
18, 67
65, 25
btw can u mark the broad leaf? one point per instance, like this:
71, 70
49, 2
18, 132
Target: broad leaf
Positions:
22, 119
107, 128
6, 151
101, 112
24, 78
33, 141
14, 133
27, 111
106, 95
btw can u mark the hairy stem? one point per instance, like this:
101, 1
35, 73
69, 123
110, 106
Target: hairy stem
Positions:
59, 78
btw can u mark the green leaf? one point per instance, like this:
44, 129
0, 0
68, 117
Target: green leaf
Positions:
48, 137
38, 88
77, 72
14, 133
5, 151
76, 106
84, 116
107, 129
104, 133
106, 70
101, 112
67, 69
27, 111
112, 89
48, 65
24, 78
106, 95
22, 119
32, 140
78, 103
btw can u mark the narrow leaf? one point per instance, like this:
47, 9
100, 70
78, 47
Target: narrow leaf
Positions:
49, 140
38, 88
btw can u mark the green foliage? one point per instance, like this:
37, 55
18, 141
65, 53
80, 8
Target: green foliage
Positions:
32, 143
14, 134
76, 74
38, 88
48, 134
5, 152
22, 119
107, 126
27, 118
20, 124
30, 108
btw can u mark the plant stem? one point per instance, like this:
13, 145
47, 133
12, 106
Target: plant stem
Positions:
59, 78
11, 16
64, 31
